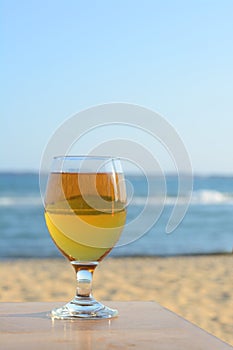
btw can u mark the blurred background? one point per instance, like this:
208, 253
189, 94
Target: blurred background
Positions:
174, 57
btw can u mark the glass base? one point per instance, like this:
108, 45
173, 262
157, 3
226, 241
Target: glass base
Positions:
83, 308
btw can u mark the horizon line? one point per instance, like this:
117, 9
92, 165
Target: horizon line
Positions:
168, 172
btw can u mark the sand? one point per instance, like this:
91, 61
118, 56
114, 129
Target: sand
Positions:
199, 288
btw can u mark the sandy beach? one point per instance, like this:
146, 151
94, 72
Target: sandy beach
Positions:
199, 288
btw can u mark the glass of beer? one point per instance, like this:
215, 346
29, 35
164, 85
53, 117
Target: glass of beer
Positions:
85, 212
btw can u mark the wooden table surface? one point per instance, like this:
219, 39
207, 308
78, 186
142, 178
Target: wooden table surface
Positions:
140, 325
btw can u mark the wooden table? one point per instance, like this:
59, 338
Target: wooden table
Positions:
140, 325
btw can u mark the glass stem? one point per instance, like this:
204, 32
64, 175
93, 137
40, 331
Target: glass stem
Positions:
84, 272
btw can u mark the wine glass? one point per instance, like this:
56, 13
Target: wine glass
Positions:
85, 213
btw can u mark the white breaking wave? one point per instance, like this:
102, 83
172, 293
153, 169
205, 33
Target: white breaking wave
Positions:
201, 197
211, 197
20, 201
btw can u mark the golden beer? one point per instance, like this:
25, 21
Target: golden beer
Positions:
85, 213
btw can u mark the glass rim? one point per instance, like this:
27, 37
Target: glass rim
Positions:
85, 157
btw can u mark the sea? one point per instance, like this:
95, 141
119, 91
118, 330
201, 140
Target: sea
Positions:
207, 226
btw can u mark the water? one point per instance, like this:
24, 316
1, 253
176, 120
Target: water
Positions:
207, 227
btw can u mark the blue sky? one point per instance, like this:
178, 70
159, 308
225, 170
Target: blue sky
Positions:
172, 56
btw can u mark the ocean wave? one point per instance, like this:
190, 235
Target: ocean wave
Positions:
20, 201
211, 197
200, 197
